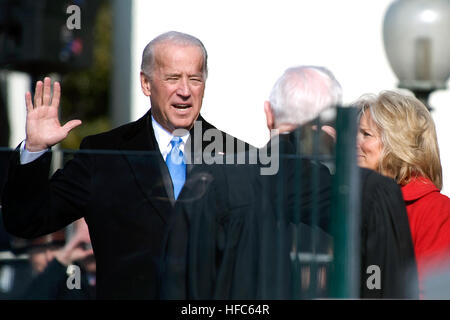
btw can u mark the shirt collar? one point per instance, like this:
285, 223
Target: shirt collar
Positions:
417, 188
163, 138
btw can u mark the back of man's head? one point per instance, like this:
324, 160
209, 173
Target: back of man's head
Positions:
302, 93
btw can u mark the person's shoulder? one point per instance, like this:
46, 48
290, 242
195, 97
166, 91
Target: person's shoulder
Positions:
380, 191
424, 192
231, 144
112, 138
440, 197
373, 180
445, 201
437, 202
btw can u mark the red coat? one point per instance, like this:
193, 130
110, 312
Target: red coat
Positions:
429, 220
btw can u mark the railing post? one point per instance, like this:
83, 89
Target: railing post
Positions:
345, 216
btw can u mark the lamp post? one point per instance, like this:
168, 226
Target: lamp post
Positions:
416, 36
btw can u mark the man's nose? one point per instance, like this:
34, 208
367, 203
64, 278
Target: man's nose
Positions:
183, 89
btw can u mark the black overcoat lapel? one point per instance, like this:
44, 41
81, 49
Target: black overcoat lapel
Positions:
148, 167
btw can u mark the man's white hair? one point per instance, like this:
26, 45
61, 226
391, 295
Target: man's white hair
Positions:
302, 93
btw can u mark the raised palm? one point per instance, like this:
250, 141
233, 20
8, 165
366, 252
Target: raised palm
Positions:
43, 128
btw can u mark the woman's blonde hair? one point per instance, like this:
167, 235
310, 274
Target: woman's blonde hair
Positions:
408, 135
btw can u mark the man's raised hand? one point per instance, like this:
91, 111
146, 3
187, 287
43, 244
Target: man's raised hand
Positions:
43, 128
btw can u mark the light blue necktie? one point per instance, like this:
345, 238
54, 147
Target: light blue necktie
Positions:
176, 165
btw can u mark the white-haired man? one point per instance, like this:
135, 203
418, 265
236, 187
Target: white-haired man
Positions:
299, 96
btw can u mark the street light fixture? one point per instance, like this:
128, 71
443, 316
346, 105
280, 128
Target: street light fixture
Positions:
416, 37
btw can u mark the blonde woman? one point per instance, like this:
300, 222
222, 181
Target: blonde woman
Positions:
397, 138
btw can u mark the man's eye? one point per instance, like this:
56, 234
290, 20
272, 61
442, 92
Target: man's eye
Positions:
198, 80
172, 77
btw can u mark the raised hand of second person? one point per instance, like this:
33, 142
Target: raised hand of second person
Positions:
43, 128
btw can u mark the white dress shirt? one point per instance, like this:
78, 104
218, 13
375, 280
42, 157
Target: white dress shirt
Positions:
28, 156
163, 138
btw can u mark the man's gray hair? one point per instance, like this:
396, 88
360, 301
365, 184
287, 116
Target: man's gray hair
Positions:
174, 37
302, 93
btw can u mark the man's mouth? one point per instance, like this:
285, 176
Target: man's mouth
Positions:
181, 105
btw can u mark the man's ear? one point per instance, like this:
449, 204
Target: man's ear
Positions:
145, 84
269, 115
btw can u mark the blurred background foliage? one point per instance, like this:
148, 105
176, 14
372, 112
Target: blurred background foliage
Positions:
86, 94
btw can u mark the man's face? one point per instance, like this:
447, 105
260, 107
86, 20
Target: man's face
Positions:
176, 86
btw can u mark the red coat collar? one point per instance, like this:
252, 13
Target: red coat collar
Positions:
417, 188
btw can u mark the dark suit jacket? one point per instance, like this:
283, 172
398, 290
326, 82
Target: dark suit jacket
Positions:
237, 240
125, 195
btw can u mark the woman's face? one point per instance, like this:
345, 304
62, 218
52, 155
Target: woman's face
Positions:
368, 146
